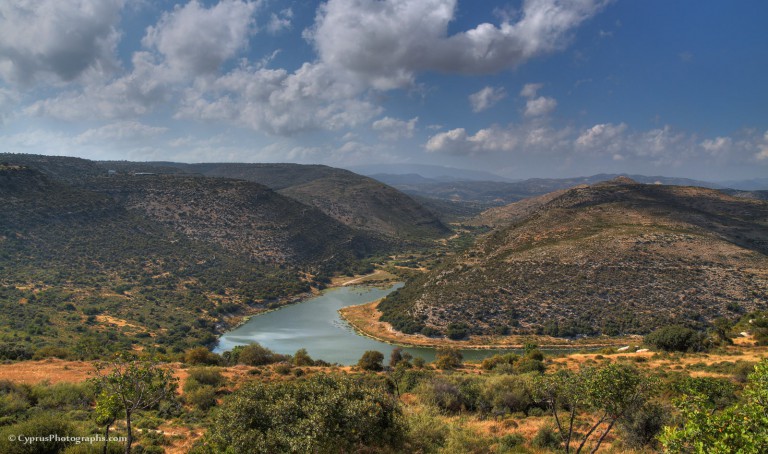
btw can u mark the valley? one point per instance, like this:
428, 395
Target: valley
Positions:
240, 279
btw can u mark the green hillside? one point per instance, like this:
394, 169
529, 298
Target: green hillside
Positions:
160, 262
356, 201
613, 258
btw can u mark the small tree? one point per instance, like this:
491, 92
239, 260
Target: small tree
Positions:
371, 360
612, 392
302, 358
131, 385
448, 358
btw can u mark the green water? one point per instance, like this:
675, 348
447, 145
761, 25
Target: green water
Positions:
316, 326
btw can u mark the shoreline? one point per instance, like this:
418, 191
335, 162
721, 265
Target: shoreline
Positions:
360, 317
358, 281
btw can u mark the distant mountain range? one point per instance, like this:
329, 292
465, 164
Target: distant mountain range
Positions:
616, 257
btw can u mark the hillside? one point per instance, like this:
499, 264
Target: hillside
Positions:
155, 262
242, 217
356, 201
612, 258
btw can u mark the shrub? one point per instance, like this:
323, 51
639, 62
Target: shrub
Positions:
675, 338
448, 358
641, 427
302, 358
201, 356
506, 394
62, 396
457, 331
210, 376
320, 414
371, 360
282, 368
546, 438
37, 426
254, 355
52, 352
461, 441
511, 441
203, 397
426, 432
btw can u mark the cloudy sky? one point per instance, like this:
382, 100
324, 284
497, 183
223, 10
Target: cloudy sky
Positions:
526, 88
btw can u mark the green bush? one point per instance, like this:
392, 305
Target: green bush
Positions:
371, 360
203, 398
62, 396
675, 338
254, 355
426, 432
210, 376
37, 426
641, 427
320, 414
511, 441
448, 358
462, 441
201, 356
302, 358
546, 438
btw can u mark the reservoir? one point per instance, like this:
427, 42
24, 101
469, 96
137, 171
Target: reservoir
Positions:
316, 326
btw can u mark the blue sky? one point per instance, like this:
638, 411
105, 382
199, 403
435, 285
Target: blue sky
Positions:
534, 88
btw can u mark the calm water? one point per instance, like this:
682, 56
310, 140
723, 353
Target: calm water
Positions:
315, 325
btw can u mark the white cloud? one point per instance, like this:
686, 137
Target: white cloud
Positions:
762, 152
394, 129
486, 98
57, 40
717, 145
604, 137
278, 102
540, 106
197, 40
280, 21
458, 142
530, 90
386, 42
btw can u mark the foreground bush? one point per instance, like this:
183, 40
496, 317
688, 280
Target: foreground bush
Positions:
676, 338
742, 427
38, 426
325, 414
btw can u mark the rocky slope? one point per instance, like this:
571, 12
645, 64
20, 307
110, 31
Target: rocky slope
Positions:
612, 258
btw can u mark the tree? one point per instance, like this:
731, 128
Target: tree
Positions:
302, 358
675, 338
448, 358
201, 356
613, 392
371, 360
132, 385
741, 427
108, 408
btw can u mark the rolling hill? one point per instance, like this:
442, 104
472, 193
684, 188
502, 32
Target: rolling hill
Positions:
356, 201
608, 259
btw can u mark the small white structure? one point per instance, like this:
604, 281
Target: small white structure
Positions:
642, 350
623, 349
